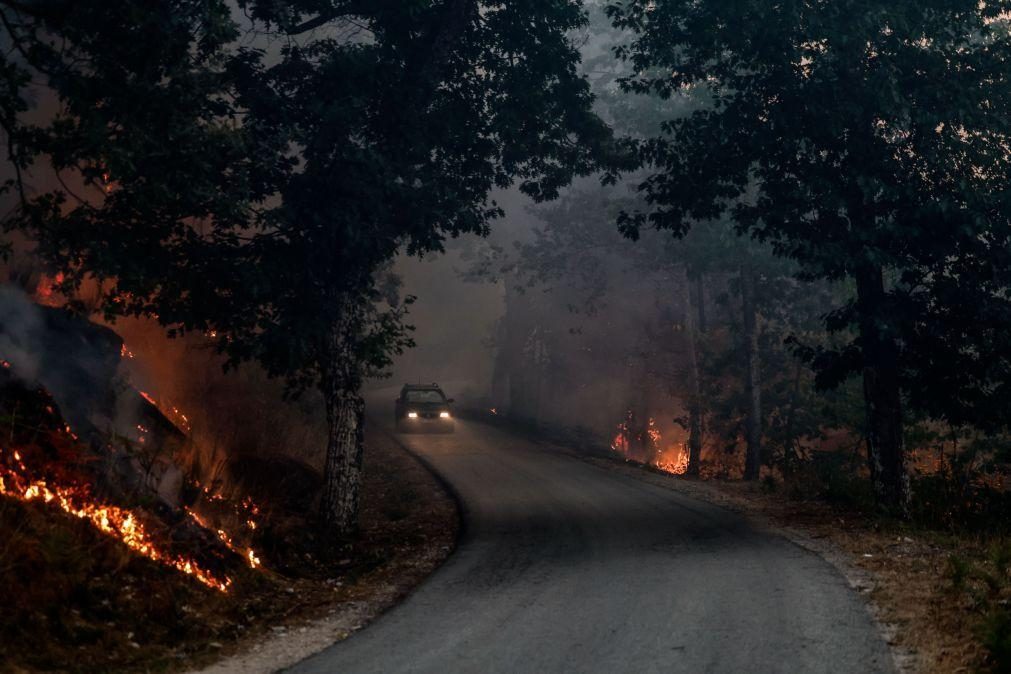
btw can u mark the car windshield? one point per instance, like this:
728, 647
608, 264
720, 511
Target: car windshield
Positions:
425, 396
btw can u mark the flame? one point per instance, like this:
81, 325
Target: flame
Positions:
621, 442
45, 292
125, 352
109, 519
173, 413
653, 432
673, 460
677, 465
249, 555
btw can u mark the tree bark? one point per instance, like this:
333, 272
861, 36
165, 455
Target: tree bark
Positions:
345, 415
882, 394
695, 386
700, 302
753, 418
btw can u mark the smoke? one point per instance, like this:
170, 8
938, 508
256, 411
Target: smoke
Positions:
21, 331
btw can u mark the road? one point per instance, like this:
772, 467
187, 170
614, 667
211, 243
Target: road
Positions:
564, 566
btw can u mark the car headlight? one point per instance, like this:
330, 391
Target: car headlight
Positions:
443, 415
412, 415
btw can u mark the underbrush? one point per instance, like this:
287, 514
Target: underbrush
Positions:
983, 584
77, 600
961, 505
836, 478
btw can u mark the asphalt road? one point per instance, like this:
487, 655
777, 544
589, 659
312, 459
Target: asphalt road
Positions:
567, 567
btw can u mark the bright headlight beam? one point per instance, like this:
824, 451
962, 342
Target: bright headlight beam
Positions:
443, 415
412, 415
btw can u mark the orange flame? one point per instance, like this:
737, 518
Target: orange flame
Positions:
249, 555
676, 466
45, 292
111, 520
673, 460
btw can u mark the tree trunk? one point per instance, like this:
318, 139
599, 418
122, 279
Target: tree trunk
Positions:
882, 396
345, 415
700, 302
753, 419
695, 386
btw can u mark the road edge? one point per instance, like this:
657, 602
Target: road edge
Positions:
285, 649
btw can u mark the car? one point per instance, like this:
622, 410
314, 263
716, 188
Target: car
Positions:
423, 407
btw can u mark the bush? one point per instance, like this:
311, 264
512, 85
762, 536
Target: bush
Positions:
960, 503
995, 633
834, 477
987, 582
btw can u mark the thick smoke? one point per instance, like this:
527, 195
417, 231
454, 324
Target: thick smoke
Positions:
21, 331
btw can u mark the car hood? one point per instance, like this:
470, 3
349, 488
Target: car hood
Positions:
427, 407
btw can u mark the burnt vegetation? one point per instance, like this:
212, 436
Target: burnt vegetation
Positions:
767, 242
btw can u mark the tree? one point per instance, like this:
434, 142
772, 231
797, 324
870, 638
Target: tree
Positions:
372, 128
868, 141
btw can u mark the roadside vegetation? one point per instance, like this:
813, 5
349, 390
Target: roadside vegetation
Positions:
77, 599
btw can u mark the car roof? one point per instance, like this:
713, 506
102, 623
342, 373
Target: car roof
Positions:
422, 387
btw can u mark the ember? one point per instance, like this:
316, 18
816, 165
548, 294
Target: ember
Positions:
170, 411
249, 555
112, 520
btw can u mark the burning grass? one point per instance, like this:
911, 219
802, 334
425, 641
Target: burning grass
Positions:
118, 523
644, 443
77, 599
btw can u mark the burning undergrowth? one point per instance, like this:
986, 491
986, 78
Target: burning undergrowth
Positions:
101, 574
101, 476
157, 512
640, 440
43, 461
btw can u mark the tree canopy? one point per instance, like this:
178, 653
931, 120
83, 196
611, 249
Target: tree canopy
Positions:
829, 134
257, 187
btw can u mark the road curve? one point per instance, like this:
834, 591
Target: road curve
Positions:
567, 567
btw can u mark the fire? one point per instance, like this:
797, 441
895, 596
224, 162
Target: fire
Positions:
673, 460
653, 432
676, 466
249, 555
109, 519
170, 411
46, 291
125, 352
620, 442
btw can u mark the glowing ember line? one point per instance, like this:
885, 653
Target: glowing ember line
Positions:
248, 554
114, 521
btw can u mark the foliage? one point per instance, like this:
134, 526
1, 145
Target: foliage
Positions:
256, 191
833, 115
987, 584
